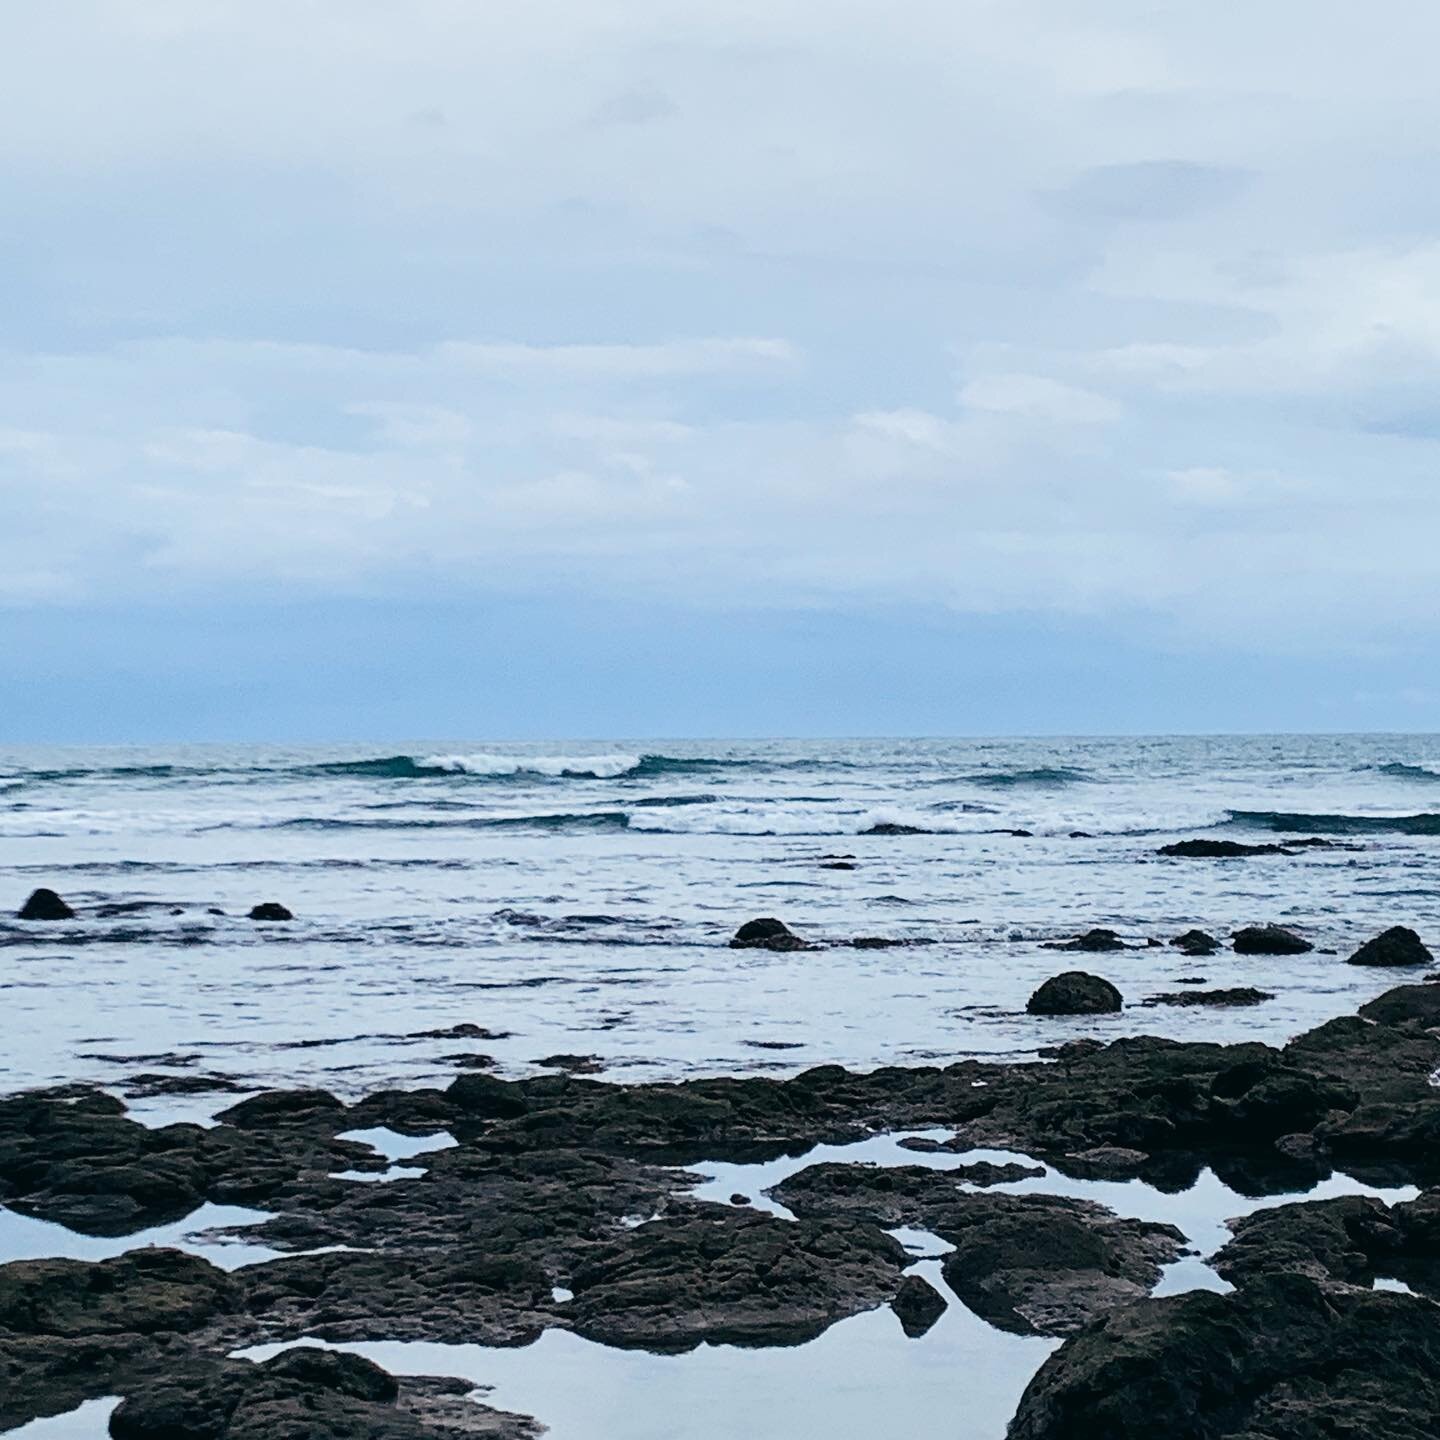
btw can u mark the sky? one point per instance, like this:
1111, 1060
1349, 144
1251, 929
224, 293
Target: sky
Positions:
551, 368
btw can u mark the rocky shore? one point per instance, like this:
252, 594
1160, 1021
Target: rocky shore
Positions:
565, 1203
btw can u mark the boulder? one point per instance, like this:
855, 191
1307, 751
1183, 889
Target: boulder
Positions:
45, 905
1217, 850
270, 911
1075, 993
1405, 1005
918, 1304
1095, 942
1283, 1358
1196, 942
1399, 945
1225, 999
766, 934
1268, 940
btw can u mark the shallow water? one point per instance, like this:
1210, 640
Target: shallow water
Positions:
587, 911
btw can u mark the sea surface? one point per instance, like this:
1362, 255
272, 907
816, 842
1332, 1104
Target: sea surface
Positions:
577, 897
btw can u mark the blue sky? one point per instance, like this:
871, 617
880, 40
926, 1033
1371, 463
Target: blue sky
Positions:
808, 367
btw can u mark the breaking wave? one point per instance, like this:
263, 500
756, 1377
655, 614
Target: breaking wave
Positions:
1288, 822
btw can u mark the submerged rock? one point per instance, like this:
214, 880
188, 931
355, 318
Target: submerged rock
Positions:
270, 911
1196, 943
766, 934
45, 905
1092, 941
1399, 945
1075, 993
1217, 850
1268, 940
1241, 995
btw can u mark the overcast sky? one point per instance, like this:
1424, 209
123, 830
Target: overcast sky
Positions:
563, 367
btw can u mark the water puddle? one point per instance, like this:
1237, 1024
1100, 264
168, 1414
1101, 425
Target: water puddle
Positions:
90, 1421
24, 1238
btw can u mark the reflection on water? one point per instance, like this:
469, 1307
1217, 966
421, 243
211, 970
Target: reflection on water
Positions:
861, 1380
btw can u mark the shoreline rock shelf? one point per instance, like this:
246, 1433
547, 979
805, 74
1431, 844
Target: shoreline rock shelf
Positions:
564, 1185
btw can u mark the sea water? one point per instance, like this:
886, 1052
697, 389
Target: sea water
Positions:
577, 897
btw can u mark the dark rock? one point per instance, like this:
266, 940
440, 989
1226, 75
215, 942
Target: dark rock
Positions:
918, 1304
1072, 1050
484, 1097
731, 1276
839, 865
767, 934
466, 1031
892, 827
270, 911
283, 1106
1399, 945
573, 1064
1094, 942
1268, 940
1195, 943
1046, 1265
1217, 849
1075, 993
1031, 1264
306, 1394
1405, 1005
738, 1199
45, 905
1242, 995
1283, 1358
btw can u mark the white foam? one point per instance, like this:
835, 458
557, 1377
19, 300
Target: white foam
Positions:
600, 767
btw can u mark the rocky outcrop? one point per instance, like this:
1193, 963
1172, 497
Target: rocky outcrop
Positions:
1196, 942
1269, 940
918, 1305
1282, 1357
766, 934
1399, 945
270, 911
1031, 1264
1075, 993
1224, 999
1094, 942
1217, 850
45, 905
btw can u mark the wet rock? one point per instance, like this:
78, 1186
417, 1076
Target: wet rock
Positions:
918, 1304
485, 1097
1283, 1358
839, 865
1399, 945
270, 911
283, 1106
1072, 1050
1217, 850
766, 934
1095, 942
1045, 1265
304, 1394
144, 1292
1261, 1100
1105, 1162
1404, 1005
573, 1064
894, 827
1031, 1264
45, 905
1268, 940
1344, 1239
466, 1031
1226, 999
1075, 993
1196, 943
731, 1276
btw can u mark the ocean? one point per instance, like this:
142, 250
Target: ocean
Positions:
577, 897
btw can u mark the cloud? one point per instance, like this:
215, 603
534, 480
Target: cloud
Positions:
1149, 190
1104, 309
